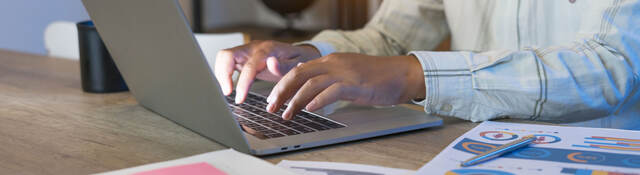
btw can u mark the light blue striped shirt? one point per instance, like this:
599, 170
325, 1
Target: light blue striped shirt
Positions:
562, 61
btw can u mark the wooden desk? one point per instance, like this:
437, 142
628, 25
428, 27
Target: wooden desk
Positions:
48, 125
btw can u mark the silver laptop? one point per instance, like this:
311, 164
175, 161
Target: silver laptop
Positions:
156, 52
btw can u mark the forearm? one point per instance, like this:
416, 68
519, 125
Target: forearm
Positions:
559, 86
595, 75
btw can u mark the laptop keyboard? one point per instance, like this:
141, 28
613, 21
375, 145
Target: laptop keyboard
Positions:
252, 114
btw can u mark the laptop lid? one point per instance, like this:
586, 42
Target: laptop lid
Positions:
161, 62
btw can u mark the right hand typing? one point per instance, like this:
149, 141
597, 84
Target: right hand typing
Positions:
265, 60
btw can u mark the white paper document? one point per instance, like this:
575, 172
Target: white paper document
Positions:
224, 162
557, 150
334, 168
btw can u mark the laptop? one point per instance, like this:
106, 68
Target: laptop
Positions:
161, 62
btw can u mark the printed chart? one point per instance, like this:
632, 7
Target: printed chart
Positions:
498, 135
574, 171
555, 154
556, 150
611, 143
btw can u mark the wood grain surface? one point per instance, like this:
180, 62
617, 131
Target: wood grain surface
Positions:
48, 125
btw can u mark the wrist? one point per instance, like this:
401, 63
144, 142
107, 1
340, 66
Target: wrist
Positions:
308, 52
415, 75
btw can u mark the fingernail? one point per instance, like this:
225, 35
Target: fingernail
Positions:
270, 107
270, 99
287, 112
311, 106
237, 98
285, 115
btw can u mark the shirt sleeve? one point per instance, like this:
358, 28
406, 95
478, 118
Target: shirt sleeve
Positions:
595, 76
397, 27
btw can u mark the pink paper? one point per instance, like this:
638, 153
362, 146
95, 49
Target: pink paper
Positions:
201, 168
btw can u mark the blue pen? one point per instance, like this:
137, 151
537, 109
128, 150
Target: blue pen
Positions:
496, 152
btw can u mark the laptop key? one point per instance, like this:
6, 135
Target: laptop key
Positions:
322, 120
243, 122
239, 119
327, 123
308, 116
301, 120
303, 129
317, 126
254, 118
335, 125
319, 120
256, 103
275, 118
289, 124
263, 113
289, 132
271, 125
260, 128
252, 125
257, 97
278, 128
268, 132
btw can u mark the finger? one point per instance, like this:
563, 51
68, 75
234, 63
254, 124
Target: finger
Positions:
247, 75
280, 65
306, 93
224, 67
291, 82
330, 95
239, 66
273, 66
267, 76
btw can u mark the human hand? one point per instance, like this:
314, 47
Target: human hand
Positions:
363, 79
266, 60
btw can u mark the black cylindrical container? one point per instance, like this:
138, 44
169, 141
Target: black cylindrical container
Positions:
97, 70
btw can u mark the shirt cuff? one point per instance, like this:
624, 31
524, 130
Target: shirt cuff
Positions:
448, 83
324, 48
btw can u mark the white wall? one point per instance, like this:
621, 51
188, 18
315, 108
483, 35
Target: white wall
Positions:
22, 22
